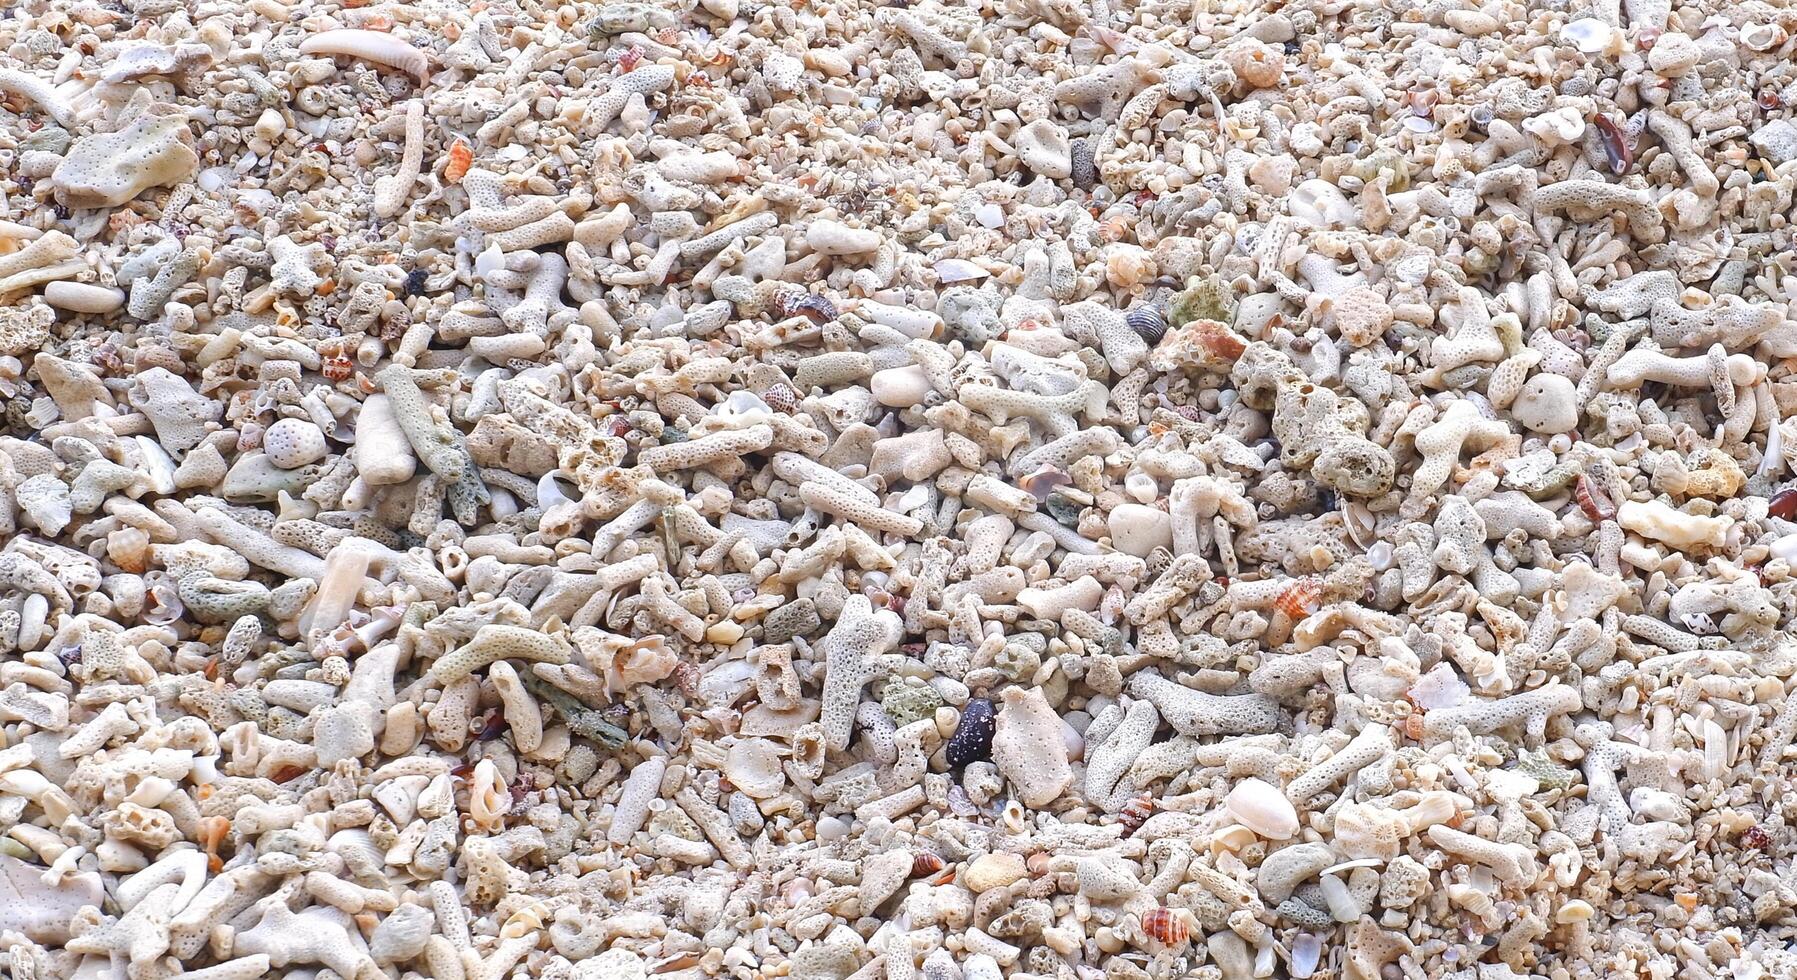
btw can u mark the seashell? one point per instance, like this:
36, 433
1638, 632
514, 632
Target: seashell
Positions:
162, 602
1063, 510
1359, 522
1320, 203
159, 469
129, 549
1128, 266
958, 270
1618, 148
1592, 499
1217, 340
1300, 599
337, 367
1556, 127
753, 766
1262, 808
925, 863
524, 921
461, 157
1307, 953
797, 890
1381, 556
1699, 623
972, 740
1577, 910
1590, 36
642, 661
958, 802
1439, 688
1135, 813
1148, 322
781, 398
740, 404
1232, 839
813, 306
1351, 865
1165, 925
1763, 37
1043, 482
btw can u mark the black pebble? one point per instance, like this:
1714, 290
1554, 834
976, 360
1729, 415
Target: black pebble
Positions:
415, 282
972, 741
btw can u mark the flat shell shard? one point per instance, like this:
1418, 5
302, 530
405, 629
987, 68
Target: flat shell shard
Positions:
1619, 150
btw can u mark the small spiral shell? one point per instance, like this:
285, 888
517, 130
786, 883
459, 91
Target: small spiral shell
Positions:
925, 863
1166, 925
781, 398
1592, 499
1135, 813
1300, 599
814, 306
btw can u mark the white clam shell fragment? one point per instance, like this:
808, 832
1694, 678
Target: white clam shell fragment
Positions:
1588, 35
1563, 125
1322, 204
753, 765
958, 270
1763, 37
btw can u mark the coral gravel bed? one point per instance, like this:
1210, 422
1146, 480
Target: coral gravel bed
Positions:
1020, 488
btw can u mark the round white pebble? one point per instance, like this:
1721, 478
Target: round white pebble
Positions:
831, 828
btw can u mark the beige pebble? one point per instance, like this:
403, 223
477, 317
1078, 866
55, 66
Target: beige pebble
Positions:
81, 297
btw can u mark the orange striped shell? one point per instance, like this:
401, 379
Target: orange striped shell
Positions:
461, 157
1166, 925
1136, 812
1300, 599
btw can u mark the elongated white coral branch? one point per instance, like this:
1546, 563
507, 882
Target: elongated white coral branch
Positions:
27, 86
390, 191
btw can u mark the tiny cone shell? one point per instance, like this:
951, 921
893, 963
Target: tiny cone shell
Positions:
1263, 809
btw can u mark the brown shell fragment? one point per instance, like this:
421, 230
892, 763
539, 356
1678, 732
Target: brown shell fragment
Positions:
1593, 500
1617, 148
